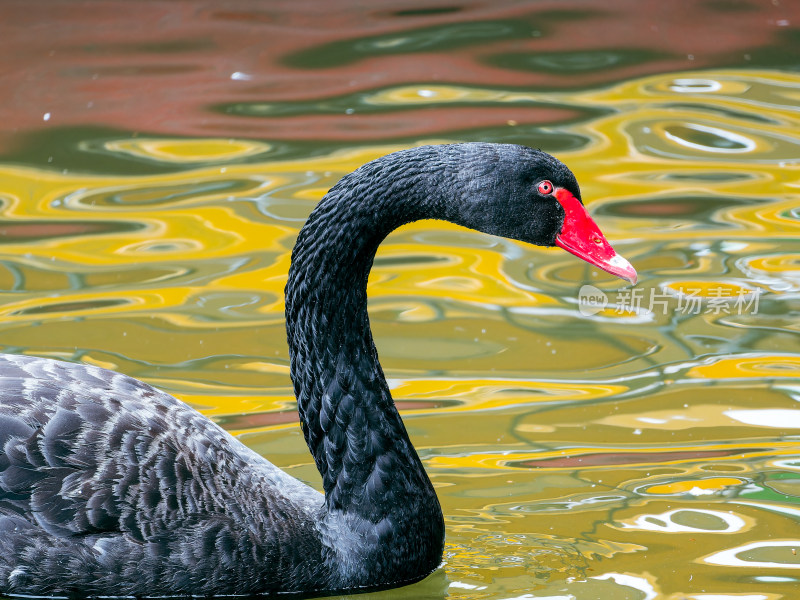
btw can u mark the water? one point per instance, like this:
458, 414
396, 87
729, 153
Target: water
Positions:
616, 443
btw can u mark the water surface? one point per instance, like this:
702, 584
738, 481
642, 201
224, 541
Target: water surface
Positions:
605, 442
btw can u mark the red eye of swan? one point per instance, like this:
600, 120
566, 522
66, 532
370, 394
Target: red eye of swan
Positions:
545, 188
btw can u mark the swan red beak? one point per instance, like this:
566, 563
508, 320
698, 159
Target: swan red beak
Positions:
581, 236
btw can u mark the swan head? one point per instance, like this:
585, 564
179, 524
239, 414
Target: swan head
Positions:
527, 195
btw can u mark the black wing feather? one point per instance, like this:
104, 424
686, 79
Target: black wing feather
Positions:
111, 487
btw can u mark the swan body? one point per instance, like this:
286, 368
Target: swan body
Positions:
110, 487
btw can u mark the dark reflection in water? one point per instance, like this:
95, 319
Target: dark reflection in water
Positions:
363, 104
725, 112
40, 229
573, 62
710, 177
79, 149
167, 194
441, 38
409, 259
707, 139
70, 307
624, 458
704, 209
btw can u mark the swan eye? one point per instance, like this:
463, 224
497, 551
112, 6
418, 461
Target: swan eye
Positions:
545, 188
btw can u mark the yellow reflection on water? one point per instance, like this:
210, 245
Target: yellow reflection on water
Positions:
696, 486
188, 151
750, 366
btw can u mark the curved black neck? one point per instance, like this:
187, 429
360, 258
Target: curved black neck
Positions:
368, 465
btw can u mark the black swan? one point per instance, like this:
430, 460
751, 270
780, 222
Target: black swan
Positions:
109, 487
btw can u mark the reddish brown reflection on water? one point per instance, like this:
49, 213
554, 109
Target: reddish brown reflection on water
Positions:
159, 67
